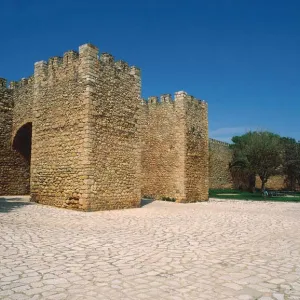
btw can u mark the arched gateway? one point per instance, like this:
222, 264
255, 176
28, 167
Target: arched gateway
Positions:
95, 144
22, 141
14, 151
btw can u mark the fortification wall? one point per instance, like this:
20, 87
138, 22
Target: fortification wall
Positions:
219, 158
114, 100
59, 158
94, 144
197, 152
23, 100
175, 148
14, 168
163, 147
274, 182
220, 176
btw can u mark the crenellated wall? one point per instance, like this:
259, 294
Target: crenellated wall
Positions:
220, 177
197, 151
23, 101
95, 143
85, 141
276, 182
174, 148
163, 147
220, 156
113, 92
59, 159
14, 168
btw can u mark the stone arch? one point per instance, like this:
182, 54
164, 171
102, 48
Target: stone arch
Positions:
22, 141
21, 147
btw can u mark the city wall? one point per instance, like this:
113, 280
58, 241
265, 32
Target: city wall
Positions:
220, 177
83, 112
175, 148
59, 160
113, 91
219, 158
14, 167
78, 135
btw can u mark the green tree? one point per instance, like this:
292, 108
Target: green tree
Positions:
239, 166
258, 153
291, 164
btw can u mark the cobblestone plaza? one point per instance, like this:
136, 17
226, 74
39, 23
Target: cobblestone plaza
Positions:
211, 250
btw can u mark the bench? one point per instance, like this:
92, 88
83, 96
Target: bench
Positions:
275, 193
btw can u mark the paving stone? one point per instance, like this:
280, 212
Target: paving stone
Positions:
233, 286
277, 281
215, 250
278, 296
245, 297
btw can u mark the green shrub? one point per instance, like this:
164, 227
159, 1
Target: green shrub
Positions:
168, 199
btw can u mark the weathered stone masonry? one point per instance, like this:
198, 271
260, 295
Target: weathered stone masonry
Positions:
220, 176
14, 167
175, 148
220, 155
95, 143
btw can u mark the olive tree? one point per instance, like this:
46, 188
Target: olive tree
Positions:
258, 153
291, 164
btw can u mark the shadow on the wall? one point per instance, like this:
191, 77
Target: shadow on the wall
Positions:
9, 204
145, 202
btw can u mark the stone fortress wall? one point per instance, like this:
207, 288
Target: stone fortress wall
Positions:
276, 182
219, 158
89, 138
77, 134
14, 167
23, 102
59, 161
85, 151
220, 177
113, 90
175, 147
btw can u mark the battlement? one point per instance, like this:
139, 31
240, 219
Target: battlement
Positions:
70, 56
168, 99
55, 62
122, 65
107, 59
6, 101
91, 145
89, 54
214, 141
3, 83
21, 83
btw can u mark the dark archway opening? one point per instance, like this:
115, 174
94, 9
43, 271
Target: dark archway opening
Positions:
22, 141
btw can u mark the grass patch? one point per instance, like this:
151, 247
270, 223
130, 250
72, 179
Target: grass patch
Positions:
241, 195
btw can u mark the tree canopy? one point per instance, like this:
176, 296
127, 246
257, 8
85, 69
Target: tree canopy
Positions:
258, 153
291, 165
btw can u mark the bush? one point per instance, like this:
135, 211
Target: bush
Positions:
168, 199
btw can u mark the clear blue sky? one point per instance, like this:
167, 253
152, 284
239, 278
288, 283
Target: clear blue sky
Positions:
242, 56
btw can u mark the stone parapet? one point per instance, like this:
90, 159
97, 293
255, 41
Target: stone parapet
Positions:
96, 144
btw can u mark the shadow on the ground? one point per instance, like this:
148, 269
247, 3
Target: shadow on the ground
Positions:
9, 204
145, 202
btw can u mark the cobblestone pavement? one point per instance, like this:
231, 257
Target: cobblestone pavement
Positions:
215, 250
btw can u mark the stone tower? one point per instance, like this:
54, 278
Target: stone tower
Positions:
175, 148
92, 143
85, 147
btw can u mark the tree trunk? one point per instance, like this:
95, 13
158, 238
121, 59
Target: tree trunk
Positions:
263, 185
263, 182
252, 183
